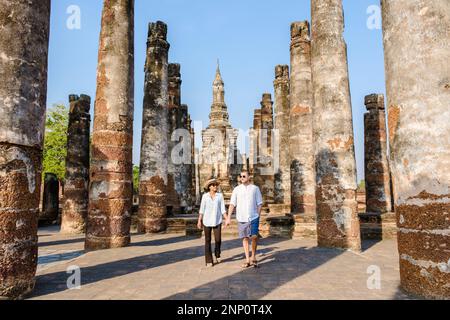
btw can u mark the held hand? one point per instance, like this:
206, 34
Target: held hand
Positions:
199, 225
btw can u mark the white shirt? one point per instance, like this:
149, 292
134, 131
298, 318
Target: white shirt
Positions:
246, 199
212, 209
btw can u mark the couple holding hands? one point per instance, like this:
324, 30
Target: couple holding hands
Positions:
247, 200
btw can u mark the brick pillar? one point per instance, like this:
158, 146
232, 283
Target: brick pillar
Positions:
154, 149
301, 145
337, 218
184, 170
50, 200
264, 167
76, 188
416, 37
174, 104
111, 191
282, 112
24, 34
377, 176
192, 167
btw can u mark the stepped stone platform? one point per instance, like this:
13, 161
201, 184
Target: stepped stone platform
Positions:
373, 226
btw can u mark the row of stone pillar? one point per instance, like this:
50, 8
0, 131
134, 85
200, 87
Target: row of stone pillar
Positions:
165, 181
418, 92
106, 176
322, 144
319, 135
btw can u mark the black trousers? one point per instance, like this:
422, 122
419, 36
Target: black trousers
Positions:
217, 240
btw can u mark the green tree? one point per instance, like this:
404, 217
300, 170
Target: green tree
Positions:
362, 185
55, 142
136, 179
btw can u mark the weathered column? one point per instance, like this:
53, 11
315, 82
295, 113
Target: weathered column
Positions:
24, 35
174, 103
50, 200
282, 112
377, 176
111, 191
416, 37
303, 179
337, 219
154, 148
76, 188
193, 193
184, 170
264, 167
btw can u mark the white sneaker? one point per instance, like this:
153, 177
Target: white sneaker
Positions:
209, 265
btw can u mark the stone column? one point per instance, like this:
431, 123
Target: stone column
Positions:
337, 218
24, 35
264, 167
192, 167
282, 112
183, 183
111, 191
416, 37
303, 179
154, 148
76, 188
377, 176
174, 103
50, 200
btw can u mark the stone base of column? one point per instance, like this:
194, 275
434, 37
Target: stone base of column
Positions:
376, 226
332, 231
100, 243
16, 289
423, 247
412, 281
73, 223
20, 176
152, 212
339, 241
279, 209
305, 226
151, 225
72, 228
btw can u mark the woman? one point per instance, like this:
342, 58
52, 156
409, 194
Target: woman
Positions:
212, 209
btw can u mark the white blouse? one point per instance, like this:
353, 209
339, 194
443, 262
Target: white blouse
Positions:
212, 209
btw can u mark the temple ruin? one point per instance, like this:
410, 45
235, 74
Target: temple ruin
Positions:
219, 156
301, 151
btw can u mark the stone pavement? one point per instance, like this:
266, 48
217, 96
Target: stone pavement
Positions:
170, 266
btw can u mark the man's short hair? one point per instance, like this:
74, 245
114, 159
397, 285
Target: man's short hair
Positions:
245, 171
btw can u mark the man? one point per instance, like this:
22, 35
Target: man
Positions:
247, 200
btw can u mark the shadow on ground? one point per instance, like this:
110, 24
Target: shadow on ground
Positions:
56, 282
276, 268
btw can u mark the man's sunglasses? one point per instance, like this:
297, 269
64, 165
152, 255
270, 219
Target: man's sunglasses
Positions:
243, 177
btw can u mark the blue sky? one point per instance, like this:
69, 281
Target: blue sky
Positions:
249, 37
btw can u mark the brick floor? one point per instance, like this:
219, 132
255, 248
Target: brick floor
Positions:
172, 267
